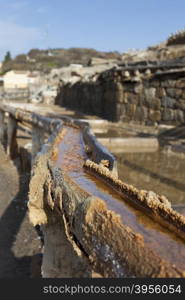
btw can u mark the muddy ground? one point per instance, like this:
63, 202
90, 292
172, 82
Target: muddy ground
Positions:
20, 243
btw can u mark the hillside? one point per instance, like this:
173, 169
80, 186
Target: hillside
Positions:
171, 49
45, 60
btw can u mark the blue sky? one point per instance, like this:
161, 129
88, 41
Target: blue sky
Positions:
106, 25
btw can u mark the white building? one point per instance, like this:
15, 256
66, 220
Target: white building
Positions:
16, 79
19, 79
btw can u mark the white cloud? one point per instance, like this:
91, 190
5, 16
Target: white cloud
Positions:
17, 38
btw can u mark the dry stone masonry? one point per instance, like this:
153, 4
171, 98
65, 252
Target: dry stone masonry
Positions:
145, 92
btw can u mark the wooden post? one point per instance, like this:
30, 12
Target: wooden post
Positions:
37, 140
2, 127
12, 147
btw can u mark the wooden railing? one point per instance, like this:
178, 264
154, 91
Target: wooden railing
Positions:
82, 237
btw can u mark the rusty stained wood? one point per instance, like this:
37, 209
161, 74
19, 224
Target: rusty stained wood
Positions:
38, 136
112, 248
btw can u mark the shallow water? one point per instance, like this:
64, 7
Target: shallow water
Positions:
157, 171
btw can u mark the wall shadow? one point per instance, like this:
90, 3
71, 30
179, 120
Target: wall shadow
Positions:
10, 224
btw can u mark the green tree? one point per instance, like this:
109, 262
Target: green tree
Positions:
7, 57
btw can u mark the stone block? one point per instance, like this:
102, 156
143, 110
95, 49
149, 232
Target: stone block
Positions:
155, 83
121, 112
141, 99
160, 92
154, 115
156, 104
180, 83
132, 98
120, 109
168, 83
130, 110
138, 89
125, 98
180, 104
179, 115
174, 92
119, 86
168, 114
119, 96
150, 93
129, 87
168, 102
183, 94
138, 114
144, 112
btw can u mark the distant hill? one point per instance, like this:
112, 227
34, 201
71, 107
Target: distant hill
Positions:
45, 60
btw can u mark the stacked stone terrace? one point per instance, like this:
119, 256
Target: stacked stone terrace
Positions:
146, 92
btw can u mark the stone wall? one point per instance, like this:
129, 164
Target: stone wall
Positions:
144, 96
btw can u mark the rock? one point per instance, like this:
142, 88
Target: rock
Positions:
150, 93
138, 88
168, 102
121, 111
132, 98
148, 72
179, 115
171, 92
126, 74
156, 103
119, 91
180, 83
144, 112
183, 95
174, 92
155, 83
180, 104
154, 115
168, 115
178, 93
160, 92
125, 98
168, 83
130, 110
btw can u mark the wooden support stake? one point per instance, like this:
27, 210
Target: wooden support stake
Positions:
2, 127
12, 147
37, 140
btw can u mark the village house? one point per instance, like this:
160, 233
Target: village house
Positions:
16, 79
19, 79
